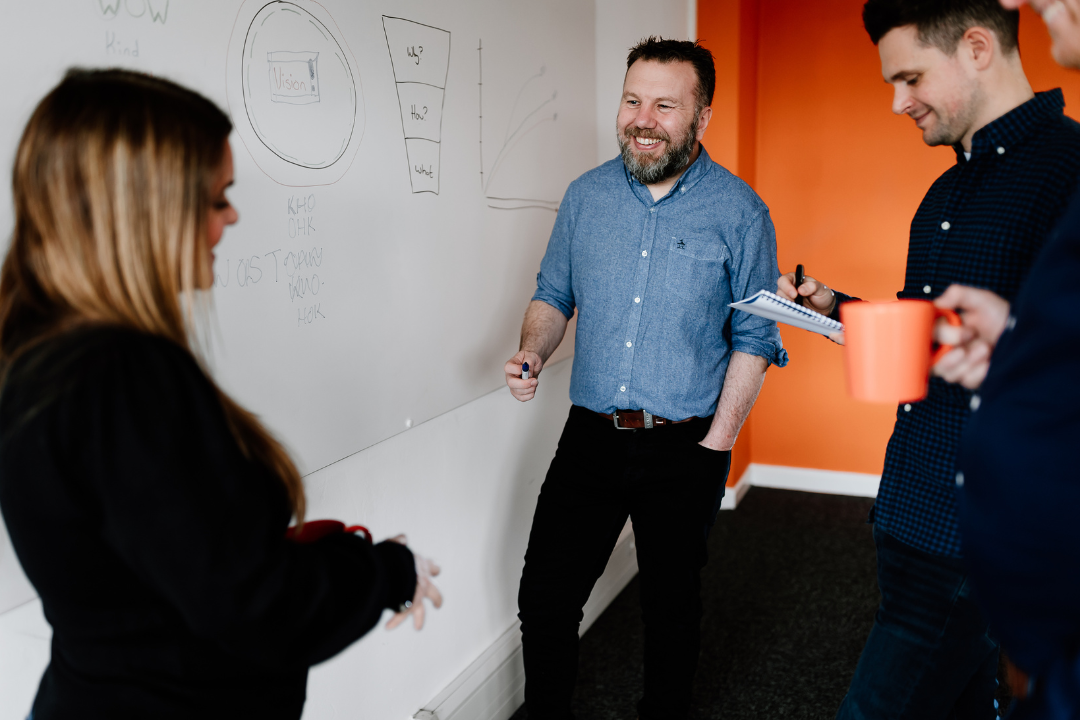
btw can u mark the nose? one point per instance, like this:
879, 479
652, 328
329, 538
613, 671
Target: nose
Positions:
645, 117
901, 99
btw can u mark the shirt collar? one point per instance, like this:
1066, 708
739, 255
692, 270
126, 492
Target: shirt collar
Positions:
697, 170
1012, 128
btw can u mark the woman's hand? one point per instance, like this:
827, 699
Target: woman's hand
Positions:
425, 570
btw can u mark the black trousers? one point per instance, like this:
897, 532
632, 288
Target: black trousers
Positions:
671, 488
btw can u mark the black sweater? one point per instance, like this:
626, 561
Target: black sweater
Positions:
159, 551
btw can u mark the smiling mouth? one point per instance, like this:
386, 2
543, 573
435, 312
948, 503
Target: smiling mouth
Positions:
646, 143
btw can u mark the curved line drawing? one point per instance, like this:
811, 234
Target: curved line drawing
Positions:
506, 148
247, 82
511, 140
521, 91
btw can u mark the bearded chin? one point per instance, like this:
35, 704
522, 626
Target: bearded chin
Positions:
671, 163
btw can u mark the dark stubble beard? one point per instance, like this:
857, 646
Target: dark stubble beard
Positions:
671, 163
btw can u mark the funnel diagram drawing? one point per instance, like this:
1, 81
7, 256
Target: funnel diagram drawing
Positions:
420, 55
293, 80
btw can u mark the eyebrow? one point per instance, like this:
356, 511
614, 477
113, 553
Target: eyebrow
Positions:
672, 100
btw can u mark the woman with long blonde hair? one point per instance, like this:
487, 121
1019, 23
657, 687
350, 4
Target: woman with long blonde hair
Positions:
148, 509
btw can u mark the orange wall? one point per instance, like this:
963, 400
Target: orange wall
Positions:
842, 176
731, 32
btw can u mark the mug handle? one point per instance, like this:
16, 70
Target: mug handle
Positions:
953, 319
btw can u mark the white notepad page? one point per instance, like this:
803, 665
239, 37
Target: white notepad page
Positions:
774, 307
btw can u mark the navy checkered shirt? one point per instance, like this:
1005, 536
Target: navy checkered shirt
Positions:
981, 224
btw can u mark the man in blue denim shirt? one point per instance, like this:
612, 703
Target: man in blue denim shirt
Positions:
649, 248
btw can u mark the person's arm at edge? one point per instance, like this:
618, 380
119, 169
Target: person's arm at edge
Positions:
742, 383
541, 332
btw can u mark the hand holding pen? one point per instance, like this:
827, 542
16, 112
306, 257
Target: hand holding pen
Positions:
522, 372
805, 290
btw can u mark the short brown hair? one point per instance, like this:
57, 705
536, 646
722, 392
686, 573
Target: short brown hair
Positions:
657, 49
942, 23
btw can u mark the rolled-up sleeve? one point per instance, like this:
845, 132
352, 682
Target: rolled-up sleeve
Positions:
554, 282
754, 268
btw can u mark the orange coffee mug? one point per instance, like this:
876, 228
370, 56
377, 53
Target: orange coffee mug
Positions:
889, 348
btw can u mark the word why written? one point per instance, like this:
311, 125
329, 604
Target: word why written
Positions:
414, 52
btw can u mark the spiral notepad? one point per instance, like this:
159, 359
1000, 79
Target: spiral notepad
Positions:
774, 307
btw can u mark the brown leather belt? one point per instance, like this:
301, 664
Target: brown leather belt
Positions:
639, 419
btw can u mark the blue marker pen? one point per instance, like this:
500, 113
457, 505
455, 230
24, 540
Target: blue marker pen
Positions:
524, 371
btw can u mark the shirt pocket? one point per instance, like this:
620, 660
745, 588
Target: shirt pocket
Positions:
695, 266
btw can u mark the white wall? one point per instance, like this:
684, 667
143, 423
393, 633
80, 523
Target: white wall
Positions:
489, 458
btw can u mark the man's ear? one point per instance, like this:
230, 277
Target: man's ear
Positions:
703, 122
980, 45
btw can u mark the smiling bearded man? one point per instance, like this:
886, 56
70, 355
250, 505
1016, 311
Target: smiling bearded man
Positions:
648, 249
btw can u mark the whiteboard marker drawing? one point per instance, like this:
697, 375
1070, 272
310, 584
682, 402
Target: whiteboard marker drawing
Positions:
156, 11
293, 77
520, 124
297, 84
420, 56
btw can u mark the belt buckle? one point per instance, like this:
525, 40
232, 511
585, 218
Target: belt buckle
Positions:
645, 414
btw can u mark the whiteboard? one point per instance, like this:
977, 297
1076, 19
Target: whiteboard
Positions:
398, 169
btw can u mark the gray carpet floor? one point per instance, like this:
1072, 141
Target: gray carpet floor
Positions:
790, 594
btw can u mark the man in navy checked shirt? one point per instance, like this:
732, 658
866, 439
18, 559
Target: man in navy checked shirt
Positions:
955, 67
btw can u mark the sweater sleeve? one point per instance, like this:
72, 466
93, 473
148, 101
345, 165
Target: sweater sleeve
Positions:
203, 527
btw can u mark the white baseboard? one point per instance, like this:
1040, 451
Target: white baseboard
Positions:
832, 482
734, 494
493, 686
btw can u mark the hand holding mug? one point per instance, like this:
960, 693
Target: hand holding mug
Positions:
889, 348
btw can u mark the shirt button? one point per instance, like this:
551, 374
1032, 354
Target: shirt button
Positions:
637, 300
682, 190
622, 389
946, 225
652, 210
959, 479
907, 408
976, 401
1010, 323
629, 344
644, 253
1001, 151
926, 289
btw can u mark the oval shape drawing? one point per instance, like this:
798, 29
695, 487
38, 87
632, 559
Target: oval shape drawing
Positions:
299, 89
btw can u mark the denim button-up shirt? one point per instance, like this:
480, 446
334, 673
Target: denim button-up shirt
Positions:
651, 282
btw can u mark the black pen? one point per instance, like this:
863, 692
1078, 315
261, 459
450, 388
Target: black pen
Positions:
798, 283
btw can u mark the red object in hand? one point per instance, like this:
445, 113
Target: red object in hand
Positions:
317, 529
